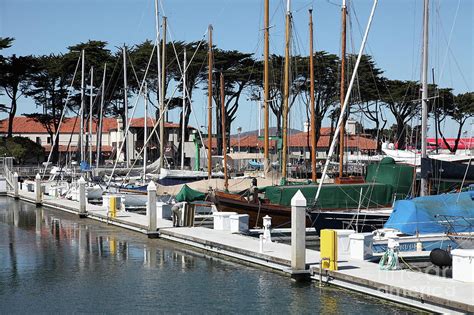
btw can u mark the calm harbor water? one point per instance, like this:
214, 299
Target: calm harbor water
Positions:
53, 262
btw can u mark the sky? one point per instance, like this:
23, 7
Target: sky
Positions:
50, 26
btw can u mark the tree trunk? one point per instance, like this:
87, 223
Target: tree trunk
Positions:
12, 113
401, 132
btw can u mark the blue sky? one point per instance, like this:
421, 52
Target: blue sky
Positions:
49, 26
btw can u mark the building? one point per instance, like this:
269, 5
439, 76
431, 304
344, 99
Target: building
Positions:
112, 137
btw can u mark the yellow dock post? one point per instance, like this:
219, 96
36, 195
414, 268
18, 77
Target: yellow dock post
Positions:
329, 249
113, 206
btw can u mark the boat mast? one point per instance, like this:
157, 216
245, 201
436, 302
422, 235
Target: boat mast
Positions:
224, 144
184, 111
125, 104
346, 100
162, 97
81, 136
342, 91
91, 102
209, 106
266, 92
145, 130
313, 118
424, 97
286, 92
99, 130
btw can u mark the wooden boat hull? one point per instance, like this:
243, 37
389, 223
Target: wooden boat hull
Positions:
281, 215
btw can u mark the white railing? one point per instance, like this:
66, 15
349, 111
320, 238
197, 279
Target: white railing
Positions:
6, 166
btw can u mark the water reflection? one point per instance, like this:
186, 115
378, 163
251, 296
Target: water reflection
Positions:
62, 263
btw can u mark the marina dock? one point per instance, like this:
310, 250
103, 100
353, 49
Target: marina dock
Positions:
420, 290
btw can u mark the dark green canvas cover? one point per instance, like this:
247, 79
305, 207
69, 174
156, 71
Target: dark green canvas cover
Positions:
187, 194
399, 176
385, 182
334, 196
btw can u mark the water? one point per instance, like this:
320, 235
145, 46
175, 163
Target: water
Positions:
53, 262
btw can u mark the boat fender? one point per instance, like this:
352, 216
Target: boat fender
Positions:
441, 258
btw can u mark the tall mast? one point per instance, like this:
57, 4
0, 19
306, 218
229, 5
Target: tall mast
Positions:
209, 106
125, 104
184, 111
224, 144
286, 92
81, 136
145, 131
266, 89
424, 96
99, 130
91, 102
311, 91
162, 97
343, 88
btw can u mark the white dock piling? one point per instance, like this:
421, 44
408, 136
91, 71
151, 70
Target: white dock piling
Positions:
267, 223
15, 185
82, 197
151, 207
298, 232
38, 190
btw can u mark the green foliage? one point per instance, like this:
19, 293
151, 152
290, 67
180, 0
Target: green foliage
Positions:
22, 149
6, 42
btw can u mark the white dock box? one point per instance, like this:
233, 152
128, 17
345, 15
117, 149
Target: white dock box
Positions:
343, 242
361, 246
463, 265
163, 210
239, 223
222, 220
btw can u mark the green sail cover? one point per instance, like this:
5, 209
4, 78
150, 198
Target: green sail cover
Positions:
399, 176
187, 194
334, 196
385, 182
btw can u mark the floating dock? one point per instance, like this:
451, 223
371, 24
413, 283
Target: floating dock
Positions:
420, 290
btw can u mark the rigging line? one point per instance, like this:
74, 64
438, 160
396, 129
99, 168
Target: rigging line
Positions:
453, 56
346, 100
133, 113
449, 39
56, 136
176, 53
133, 68
157, 122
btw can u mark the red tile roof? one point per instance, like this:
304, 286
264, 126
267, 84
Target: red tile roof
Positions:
22, 125
301, 140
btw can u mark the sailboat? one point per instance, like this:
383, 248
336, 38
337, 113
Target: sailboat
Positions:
364, 206
450, 214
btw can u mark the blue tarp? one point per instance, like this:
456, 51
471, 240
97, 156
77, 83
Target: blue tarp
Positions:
426, 214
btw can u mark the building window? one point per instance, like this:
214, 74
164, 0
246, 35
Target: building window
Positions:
38, 140
48, 140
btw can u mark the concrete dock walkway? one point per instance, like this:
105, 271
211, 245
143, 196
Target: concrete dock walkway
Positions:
417, 289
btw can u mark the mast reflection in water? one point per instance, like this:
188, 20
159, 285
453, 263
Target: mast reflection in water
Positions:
54, 262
